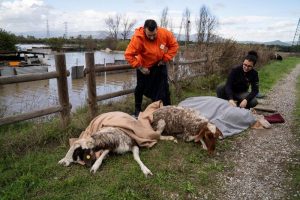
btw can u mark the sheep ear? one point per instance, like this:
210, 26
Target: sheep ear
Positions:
197, 138
77, 153
200, 135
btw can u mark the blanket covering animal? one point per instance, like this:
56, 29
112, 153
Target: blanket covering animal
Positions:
141, 132
230, 120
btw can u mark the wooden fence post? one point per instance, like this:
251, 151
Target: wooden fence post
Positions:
62, 87
91, 84
176, 77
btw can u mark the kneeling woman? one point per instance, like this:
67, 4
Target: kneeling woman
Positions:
237, 85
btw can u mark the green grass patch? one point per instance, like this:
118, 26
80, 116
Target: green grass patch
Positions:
179, 170
276, 70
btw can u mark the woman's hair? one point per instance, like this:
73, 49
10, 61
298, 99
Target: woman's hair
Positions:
252, 56
150, 24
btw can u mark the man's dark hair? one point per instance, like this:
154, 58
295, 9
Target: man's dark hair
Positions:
150, 24
252, 56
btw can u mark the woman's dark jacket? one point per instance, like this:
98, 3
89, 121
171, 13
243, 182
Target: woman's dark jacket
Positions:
239, 81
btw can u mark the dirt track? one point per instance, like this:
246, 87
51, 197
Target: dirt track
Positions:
260, 159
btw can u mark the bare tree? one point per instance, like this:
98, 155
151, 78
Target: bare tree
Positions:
164, 18
127, 27
201, 24
187, 25
211, 25
205, 25
113, 25
180, 28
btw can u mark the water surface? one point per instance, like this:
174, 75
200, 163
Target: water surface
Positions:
29, 96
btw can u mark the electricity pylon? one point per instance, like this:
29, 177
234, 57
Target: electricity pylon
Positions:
296, 40
66, 30
48, 31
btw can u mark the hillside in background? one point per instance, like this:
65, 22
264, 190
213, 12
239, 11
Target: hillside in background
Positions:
104, 34
275, 42
42, 34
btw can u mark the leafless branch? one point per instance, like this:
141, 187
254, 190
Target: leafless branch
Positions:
113, 23
205, 24
164, 18
127, 27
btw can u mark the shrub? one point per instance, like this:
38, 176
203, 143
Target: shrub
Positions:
7, 40
56, 44
122, 45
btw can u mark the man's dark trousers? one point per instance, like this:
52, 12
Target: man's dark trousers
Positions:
154, 86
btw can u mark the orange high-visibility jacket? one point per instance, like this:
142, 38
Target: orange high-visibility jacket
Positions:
142, 52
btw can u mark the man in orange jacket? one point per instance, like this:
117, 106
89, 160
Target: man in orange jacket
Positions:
148, 51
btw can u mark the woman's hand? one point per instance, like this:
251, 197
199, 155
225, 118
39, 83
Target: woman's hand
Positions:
243, 104
232, 102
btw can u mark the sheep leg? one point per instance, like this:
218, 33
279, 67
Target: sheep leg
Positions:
136, 156
98, 162
67, 160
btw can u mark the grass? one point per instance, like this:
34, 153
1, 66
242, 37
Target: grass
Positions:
271, 73
30, 152
179, 170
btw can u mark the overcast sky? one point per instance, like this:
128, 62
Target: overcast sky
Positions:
255, 20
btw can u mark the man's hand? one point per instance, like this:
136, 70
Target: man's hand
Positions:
243, 104
232, 102
161, 63
144, 70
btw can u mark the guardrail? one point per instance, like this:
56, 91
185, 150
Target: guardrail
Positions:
90, 72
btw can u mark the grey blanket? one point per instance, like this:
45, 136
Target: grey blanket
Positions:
230, 120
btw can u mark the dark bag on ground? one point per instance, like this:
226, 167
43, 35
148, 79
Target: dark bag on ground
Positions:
274, 118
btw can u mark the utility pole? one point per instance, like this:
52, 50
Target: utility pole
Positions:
296, 40
48, 31
66, 30
187, 34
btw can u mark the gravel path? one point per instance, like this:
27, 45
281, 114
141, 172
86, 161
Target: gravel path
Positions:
260, 158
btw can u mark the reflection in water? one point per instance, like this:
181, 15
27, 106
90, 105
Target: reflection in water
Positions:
21, 97
24, 97
29, 96
105, 84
